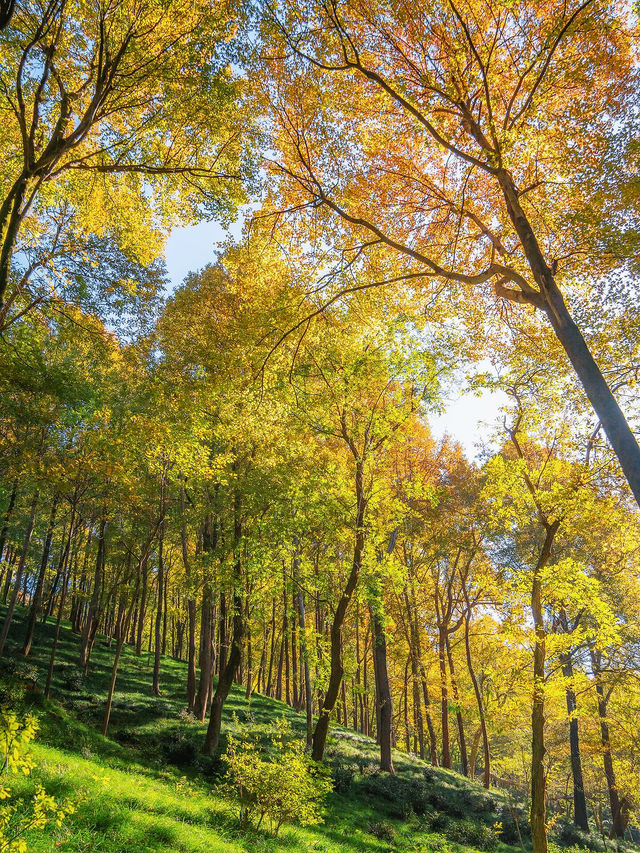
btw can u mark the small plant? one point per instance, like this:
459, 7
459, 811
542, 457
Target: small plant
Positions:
15, 736
287, 788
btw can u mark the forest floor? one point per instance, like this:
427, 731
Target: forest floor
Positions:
147, 788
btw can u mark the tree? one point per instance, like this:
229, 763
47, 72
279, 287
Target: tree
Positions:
102, 144
439, 141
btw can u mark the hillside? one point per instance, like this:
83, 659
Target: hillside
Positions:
146, 787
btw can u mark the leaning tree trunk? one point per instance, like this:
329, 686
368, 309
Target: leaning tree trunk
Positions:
336, 668
551, 301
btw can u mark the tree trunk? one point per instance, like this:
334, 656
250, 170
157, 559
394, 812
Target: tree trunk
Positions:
91, 624
303, 644
538, 776
384, 713
37, 595
486, 776
444, 698
579, 799
63, 594
464, 761
7, 516
191, 611
617, 829
16, 586
10, 218
336, 669
225, 681
604, 404
207, 633
159, 613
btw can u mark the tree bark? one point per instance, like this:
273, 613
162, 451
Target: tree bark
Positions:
159, 613
16, 586
91, 624
304, 654
464, 760
538, 776
486, 775
384, 713
37, 594
596, 388
336, 668
225, 680
7, 517
579, 799
617, 829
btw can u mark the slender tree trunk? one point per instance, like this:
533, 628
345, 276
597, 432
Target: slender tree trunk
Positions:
122, 626
459, 722
142, 610
63, 596
225, 681
16, 586
384, 713
207, 632
579, 799
159, 613
336, 669
416, 647
7, 517
304, 652
191, 610
444, 697
538, 751
10, 218
91, 625
617, 827
37, 594
486, 776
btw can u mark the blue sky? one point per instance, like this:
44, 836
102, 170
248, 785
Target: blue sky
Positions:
467, 418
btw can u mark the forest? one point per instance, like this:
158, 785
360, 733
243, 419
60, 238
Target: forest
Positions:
253, 595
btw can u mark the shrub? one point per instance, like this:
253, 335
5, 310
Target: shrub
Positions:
514, 825
342, 777
383, 830
15, 736
571, 835
473, 833
288, 788
72, 678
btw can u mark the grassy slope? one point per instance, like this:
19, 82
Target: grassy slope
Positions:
131, 796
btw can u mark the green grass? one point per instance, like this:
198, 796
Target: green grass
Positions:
146, 787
